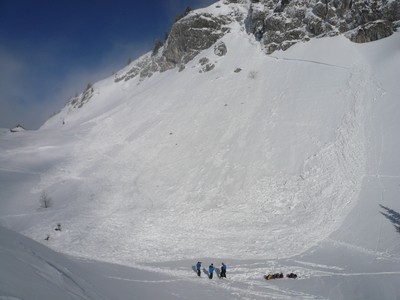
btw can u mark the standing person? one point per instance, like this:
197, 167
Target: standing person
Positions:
223, 271
198, 268
211, 271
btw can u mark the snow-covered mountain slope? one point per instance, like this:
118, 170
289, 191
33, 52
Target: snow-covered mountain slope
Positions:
29, 270
32, 271
267, 160
275, 162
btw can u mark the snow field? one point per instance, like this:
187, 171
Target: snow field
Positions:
48, 274
290, 164
268, 160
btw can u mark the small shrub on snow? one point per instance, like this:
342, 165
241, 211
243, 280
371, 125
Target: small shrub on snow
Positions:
45, 201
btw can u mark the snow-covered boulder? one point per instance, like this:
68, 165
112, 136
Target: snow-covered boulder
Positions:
220, 49
17, 128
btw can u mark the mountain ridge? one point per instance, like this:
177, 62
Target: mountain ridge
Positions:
276, 25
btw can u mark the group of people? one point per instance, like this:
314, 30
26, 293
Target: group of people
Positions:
211, 270
222, 274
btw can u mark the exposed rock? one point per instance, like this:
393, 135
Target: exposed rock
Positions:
277, 24
343, 26
315, 25
203, 61
188, 37
207, 67
79, 100
255, 22
220, 49
277, 37
371, 32
280, 24
320, 10
191, 35
271, 47
287, 44
391, 12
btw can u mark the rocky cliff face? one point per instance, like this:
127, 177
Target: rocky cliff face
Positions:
190, 35
280, 24
276, 24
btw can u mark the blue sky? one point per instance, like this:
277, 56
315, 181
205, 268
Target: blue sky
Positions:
51, 49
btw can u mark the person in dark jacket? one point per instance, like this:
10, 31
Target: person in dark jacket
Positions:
198, 268
223, 271
211, 271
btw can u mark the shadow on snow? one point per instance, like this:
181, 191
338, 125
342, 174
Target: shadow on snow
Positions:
392, 215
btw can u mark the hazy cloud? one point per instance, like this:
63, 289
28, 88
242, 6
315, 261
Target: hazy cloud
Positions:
38, 75
33, 90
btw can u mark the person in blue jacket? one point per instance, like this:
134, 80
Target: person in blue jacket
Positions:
223, 271
211, 271
198, 268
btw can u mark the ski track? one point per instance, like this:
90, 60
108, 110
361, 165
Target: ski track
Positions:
363, 250
22, 171
237, 284
309, 61
143, 281
318, 265
246, 280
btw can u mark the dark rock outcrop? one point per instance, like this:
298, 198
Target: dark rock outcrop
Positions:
206, 65
80, 100
371, 32
193, 34
188, 37
280, 24
220, 49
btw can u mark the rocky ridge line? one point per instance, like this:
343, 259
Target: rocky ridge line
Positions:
276, 24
